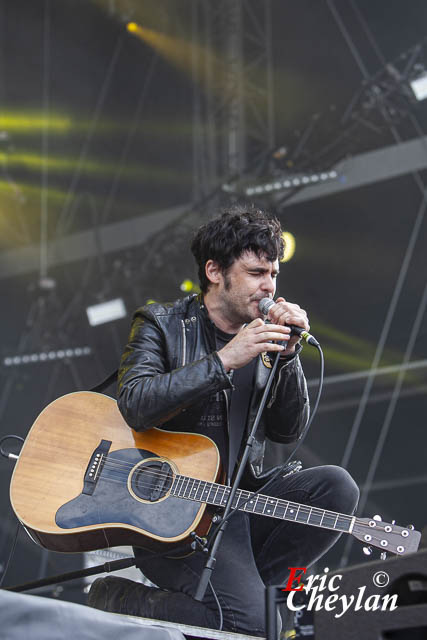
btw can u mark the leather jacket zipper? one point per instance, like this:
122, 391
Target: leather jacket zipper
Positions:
227, 413
184, 343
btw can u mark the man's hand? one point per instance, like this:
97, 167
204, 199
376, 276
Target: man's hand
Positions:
289, 313
251, 341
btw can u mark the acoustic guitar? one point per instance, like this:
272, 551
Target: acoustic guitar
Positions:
84, 480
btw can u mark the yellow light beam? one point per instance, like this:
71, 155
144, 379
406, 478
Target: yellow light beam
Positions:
365, 348
181, 54
27, 122
63, 164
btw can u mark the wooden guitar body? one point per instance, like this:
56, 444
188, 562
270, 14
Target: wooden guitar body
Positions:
85, 480
65, 508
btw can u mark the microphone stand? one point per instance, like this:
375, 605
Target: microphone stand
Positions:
211, 559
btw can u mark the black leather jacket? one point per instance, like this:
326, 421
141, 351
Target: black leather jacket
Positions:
170, 368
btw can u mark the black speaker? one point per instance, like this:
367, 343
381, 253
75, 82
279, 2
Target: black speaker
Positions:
387, 601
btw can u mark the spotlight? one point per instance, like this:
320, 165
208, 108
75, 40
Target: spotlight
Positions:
419, 86
289, 239
188, 286
106, 312
132, 27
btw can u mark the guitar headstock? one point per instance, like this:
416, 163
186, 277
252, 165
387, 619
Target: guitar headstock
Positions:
385, 536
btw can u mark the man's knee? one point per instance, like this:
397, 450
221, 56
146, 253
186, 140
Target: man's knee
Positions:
342, 488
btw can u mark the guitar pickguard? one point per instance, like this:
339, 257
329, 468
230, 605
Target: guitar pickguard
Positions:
117, 500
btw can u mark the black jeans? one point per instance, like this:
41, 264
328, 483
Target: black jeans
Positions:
255, 551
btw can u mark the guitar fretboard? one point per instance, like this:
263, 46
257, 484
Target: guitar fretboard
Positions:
217, 494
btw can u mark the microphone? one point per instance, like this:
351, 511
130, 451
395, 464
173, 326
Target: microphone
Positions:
265, 305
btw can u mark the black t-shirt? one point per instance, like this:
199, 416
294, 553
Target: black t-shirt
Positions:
238, 404
213, 423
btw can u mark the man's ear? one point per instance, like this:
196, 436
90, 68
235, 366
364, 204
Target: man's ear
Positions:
213, 272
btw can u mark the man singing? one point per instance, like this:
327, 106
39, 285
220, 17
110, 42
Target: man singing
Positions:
200, 364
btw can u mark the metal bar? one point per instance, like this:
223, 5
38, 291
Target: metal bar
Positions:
359, 375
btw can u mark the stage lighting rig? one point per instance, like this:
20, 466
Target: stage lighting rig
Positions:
290, 182
388, 95
46, 356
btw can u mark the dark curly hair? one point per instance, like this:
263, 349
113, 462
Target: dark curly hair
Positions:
238, 229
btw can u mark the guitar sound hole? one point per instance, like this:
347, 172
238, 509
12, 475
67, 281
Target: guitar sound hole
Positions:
152, 480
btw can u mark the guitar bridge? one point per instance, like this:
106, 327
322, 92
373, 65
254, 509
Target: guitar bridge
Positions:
95, 465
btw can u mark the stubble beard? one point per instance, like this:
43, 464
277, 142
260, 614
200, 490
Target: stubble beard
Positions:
235, 309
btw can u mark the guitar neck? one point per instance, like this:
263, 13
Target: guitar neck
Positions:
217, 495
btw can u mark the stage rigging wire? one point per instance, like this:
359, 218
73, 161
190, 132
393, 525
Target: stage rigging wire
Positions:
130, 135
44, 204
63, 222
346, 35
368, 33
392, 306
393, 401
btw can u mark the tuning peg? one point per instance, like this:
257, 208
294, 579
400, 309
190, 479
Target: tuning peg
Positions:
393, 522
377, 518
367, 551
410, 526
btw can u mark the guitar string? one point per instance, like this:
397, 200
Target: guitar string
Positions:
122, 465
262, 499
226, 488
110, 462
302, 508
117, 466
375, 538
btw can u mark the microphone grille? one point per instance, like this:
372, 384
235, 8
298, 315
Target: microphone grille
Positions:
265, 305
